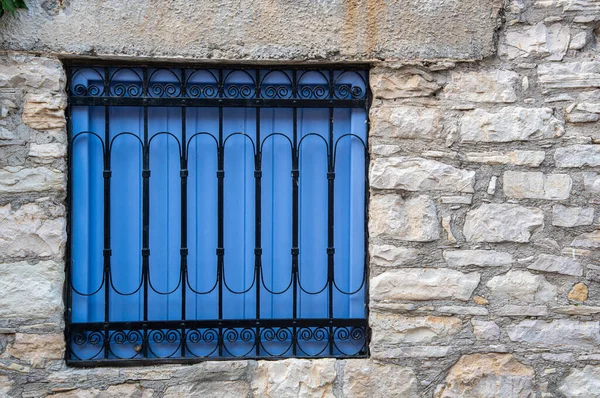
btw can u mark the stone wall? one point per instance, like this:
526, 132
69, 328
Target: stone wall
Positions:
484, 228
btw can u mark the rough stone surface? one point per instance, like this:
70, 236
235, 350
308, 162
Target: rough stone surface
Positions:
560, 265
510, 124
423, 284
581, 383
392, 256
584, 74
369, 379
213, 389
488, 375
482, 258
536, 185
417, 174
578, 156
21, 179
406, 122
36, 349
591, 239
403, 83
44, 112
119, 391
298, 30
581, 334
502, 223
521, 287
570, 217
294, 378
579, 292
515, 158
485, 330
414, 219
492, 86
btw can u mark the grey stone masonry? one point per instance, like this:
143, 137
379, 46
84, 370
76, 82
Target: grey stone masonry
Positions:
484, 180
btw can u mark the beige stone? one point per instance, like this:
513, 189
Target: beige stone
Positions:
402, 83
370, 379
488, 375
31, 231
502, 223
29, 291
390, 330
37, 349
418, 174
24, 179
576, 310
209, 389
414, 219
579, 292
521, 287
510, 124
44, 111
534, 185
118, 391
294, 378
480, 300
406, 122
486, 86
513, 158
392, 256
423, 284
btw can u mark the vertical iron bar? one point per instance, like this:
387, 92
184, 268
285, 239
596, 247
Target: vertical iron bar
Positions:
366, 217
295, 176
257, 214
184, 249
330, 214
145, 212
220, 212
106, 174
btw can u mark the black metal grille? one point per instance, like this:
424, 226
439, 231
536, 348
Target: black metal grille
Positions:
192, 339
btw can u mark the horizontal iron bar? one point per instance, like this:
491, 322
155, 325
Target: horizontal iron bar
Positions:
217, 102
224, 323
84, 363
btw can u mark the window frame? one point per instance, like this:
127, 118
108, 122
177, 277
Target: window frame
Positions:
330, 101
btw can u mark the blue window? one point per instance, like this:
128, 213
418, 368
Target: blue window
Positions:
216, 213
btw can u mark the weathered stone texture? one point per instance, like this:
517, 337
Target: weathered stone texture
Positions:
514, 158
403, 83
31, 291
298, 30
510, 124
579, 292
535, 185
521, 287
569, 217
31, 231
582, 383
488, 375
20, 179
44, 112
560, 265
482, 258
502, 223
417, 174
392, 256
407, 122
294, 378
584, 74
578, 156
561, 333
413, 219
37, 349
485, 330
423, 284
369, 379
492, 86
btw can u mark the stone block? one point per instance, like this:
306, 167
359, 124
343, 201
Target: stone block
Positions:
31, 231
44, 111
402, 83
485, 330
392, 256
418, 174
294, 378
128, 390
502, 223
406, 122
512, 158
423, 284
534, 185
579, 292
557, 334
37, 349
523, 41
510, 124
212, 389
588, 239
569, 75
582, 383
15, 179
51, 150
414, 219
497, 86
488, 375
521, 287
591, 182
30, 291
569, 217
577, 156
481, 258
557, 264
369, 379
